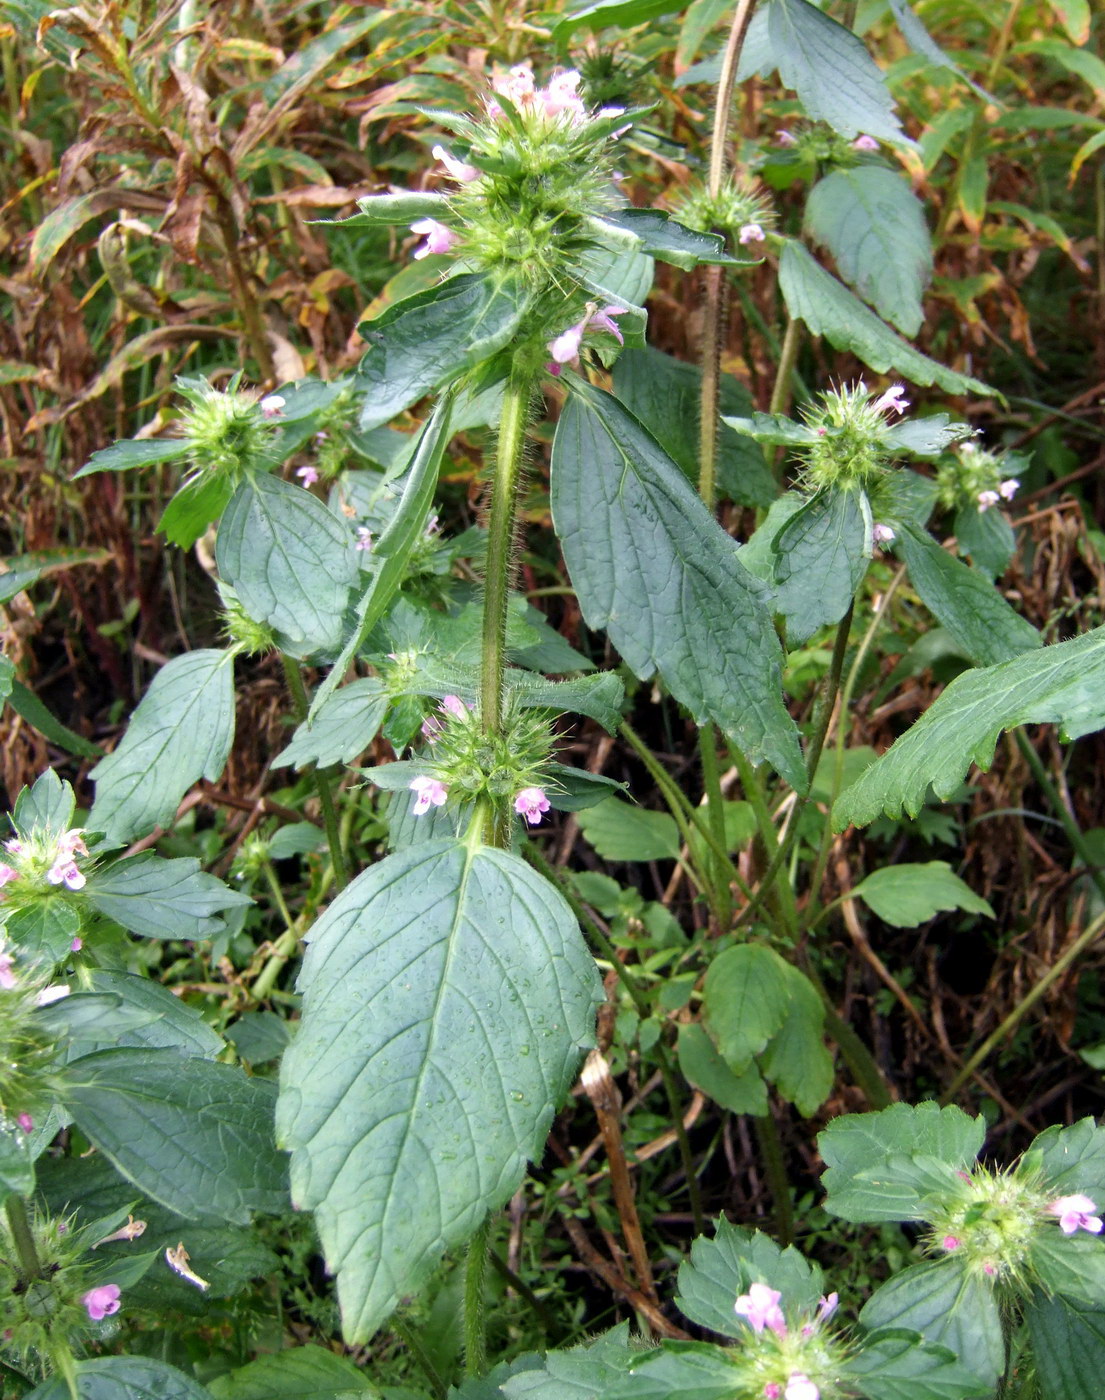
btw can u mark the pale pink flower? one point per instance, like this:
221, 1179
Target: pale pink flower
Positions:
64, 872
891, 400
72, 842
989, 1269
772, 1390
827, 1306
26, 1122
272, 405
750, 233
865, 143
14, 847
760, 1308
8, 979
786, 138
431, 793
7, 874
1009, 488
454, 705
986, 499
532, 804
1075, 1213
364, 537
130, 1231
560, 96
456, 168
800, 1387
308, 475
565, 348
882, 534
102, 1302
518, 85
950, 1242
76, 945
439, 238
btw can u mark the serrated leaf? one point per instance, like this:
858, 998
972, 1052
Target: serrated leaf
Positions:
897, 1365
907, 896
1062, 684
1071, 1160
721, 1268
1068, 1346
1072, 1266
190, 1133
174, 1025
260, 1036
828, 308
43, 932
949, 1306
289, 560
430, 338
123, 1378
400, 207
447, 996
873, 224
689, 1370
620, 831
650, 564
703, 1066
181, 731
45, 809
343, 727
987, 536
663, 393
658, 234
924, 437
84, 1017
575, 790
821, 557
582, 1373
194, 507
17, 1168
135, 452
745, 999
162, 898
296, 1373
835, 77
795, 1059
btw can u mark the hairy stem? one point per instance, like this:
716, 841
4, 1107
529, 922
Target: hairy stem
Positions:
30, 1266
413, 1342
298, 692
771, 1152
1059, 807
832, 688
475, 1275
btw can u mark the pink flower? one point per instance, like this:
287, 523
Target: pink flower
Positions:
26, 1122
1008, 488
456, 168
454, 705
760, 1308
14, 847
439, 238
7, 972
785, 138
431, 793
76, 945
750, 233
892, 400
364, 537
950, 1242
865, 143
102, 1302
517, 87
72, 842
7, 874
308, 475
565, 348
532, 804
800, 1387
602, 320
271, 406
772, 1390
1075, 1213
986, 499
882, 534
560, 96
827, 1306
64, 872
989, 1269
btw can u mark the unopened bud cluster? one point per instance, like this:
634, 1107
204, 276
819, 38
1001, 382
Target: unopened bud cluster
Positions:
975, 477
823, 146
851, 445
741, 209
230, 431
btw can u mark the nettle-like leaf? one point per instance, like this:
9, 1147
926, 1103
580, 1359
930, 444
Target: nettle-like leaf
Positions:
1070, 1265
1068, 1346
893, 1365
343, 727
162, 898
821, 556
583, 1373
172, 1023
874, 226
828, 308
987, 536
703, 1066
46, 808
428, 339
447, 996
1070, 1160
1062, 684
290, 561
696, 1370
620, 831
907, 896
296, 1373
190, 1133
964, 601
835, 77
181, 731
123, 1378
653, 232
651, 565
44, 931
124, 456
720, 1269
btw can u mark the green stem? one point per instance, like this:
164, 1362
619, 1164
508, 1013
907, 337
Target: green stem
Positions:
248, 306
715, 816
15, 1208
771, 1151
282, 950
784, 372
298, 692
832, 687
724, 99
1060, 808
413, 1342
1051, 976
475, 1275
522, 1288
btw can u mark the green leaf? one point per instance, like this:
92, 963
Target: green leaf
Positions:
700, 18
85, 1017
658, 234
1084, 63
965, 602
874, 226
162, 898
721, 1268
773, 429
343, 726
305, 64
133, 452
745, 999
392, 551
583, 1373
652, 566
689, 1370
796, 1060
290, 561
620, 831
987, 536
123, 1378
181, 731
663, 393
896, 1365
1071, 1265
297, 1373
828, 308
606, 14
923, 437
260, 1036
1062, 684
703, 1067
447, 995
190, 1133
574, 789
17, 1168
27, 704
175, 1024
1070, 1160
44, 931
429, 339
1068, 1345
921, 42
46, 809
836, 79
821, 556
599, 696
948, 1306
907, 896
195, 506
1074, 16
400, 208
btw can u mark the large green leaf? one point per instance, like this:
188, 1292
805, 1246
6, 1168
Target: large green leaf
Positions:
907, 896
290, 561
135, 452
1072, 1266
689, 1370
1062, 684
447, 995
343, 726
830, 309
27, 704
874, 226
428, 339
1068, 1343
162, 898
964, 601
821, 556
603, 14
583, 1373
895, 1365
43, 932
795, 1059
746, 999
987, 536
651, 565
174, 1025
721, 1268
663, 394
190, 1133
297, 1373
620, 831
835, 77
123, 1378
181, 732
1071, 1160
658, 234
702, 1065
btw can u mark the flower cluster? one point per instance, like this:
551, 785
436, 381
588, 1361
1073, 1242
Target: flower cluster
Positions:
741, 209
51, 858
231, 432
787, 1361
974, 478
822, 146
851, 443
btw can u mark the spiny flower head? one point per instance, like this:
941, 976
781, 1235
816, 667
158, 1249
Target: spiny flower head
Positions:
990, 1222
851, 445
785, 1357
974, 477
245, 633
820, 145
231, 431
742, 209
38, 861
29, 1083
